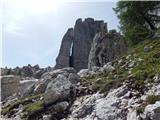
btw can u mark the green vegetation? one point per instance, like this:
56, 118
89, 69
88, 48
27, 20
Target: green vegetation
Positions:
106, 81
140, 109
34, 107
113, 31
136, 20
151, 99
146, 66
23, 101
150, 64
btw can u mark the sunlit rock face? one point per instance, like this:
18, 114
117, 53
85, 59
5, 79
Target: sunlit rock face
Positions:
76, 43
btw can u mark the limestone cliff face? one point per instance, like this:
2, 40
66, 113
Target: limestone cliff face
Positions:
84, 32
63, 59
76, 44
106, 47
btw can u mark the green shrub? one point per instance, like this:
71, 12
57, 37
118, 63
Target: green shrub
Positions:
23, 101
33, 107
140, 110
151, 99
112, 31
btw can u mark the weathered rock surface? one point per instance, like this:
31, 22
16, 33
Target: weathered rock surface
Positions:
84, 32
152, 111
47, 117
9, 86
117, 105
62, 86
40, 87
27, 87
76, 43
98, 107
63, 59
118, 90
58, 89
26, 71
105, 48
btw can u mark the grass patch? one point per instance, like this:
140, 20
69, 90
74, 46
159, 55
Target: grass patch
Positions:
151, 99
140, 110
33, 107
145, 66
103, 82
151, 59
24, 101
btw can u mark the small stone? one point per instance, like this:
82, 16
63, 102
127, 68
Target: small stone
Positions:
131, 64
146, 49
132, 115
62, 106
156, 78
98, 80
131, 77
128, 56
78, 84
46, 117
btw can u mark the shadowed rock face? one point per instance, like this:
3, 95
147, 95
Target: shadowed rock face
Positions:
105, 48
84, 33
63, 59
9, 86
76, 44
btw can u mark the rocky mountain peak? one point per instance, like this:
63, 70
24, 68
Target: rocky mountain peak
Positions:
76, 44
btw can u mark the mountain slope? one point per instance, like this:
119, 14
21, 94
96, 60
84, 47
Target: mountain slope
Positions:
127, 88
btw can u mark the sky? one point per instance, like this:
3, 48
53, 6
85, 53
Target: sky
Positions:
32, 30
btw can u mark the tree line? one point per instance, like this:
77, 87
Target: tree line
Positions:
138, 19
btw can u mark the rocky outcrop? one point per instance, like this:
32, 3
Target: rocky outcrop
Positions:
58, 89
97, 106
9, 86
53, 93
84, 32
26, 71
27, 87
127, 88
76, 43
61, 87
89, 44
106, 47
152, 111
63, 59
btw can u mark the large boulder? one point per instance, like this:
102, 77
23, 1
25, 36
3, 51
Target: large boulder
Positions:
152, 111
27, 87
83, 72
54, 73
9, 86
106, 68
132, 115
85, 105
61, 85
58, 89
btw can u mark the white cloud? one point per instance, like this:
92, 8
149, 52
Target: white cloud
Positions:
34, 6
